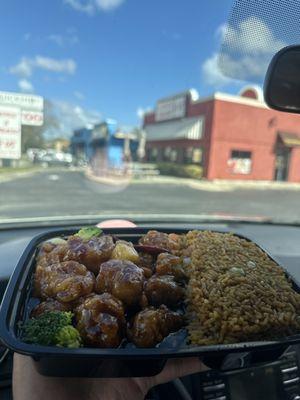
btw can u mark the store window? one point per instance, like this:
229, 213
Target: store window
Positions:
188, 155
153, 154
197, 156
192, 155
240, 154
170, 154
240, 162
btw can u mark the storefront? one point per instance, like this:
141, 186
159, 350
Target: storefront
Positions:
231, 137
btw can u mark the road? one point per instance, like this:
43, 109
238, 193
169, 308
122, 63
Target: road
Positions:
59, 193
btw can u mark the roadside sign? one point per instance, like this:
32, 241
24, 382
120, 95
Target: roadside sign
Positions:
10, 132
24, 101
35, 118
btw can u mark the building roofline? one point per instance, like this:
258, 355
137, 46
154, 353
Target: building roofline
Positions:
230, 98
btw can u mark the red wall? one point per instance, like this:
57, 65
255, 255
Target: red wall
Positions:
243, 127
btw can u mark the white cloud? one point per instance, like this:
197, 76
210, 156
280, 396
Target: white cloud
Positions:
212, 74
79, 95
63, 40
23, 68
25, 86
26, 66
90, 7
58, 39
108, 5
247, 49
72, 116
244, 55
67, 66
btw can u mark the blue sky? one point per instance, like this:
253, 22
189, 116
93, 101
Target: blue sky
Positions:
108, 58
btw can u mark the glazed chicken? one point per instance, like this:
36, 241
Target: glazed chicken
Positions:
163, 290
168, 264
151, 326
90, 253
100, 320
65, 282
125, 251
51, 254
50, 305
169, 242
147, 263
122, 279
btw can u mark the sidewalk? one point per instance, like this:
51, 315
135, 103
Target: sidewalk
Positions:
211, 186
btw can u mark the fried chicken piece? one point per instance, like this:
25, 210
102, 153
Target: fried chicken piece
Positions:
163, 290
125, 251
66, 281
169, 242
100, 320
51, 254
147, 263
90, 253
50, 305
168, 264
150, 326
122, 279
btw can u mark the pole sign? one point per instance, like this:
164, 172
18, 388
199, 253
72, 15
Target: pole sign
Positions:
10, 132
24, 101
31, 106
34, 118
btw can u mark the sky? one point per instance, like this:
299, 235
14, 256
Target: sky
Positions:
96, 59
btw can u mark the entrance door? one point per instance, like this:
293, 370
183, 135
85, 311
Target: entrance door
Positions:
282, 164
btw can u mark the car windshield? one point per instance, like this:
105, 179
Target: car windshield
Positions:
136, 108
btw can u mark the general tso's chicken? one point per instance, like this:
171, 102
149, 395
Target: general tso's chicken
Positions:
65, 282
168, 264
163, 290
169, 242
125, 251
151, 326
147, 263
50, 305
100, 320
51, 254
122, 279
90, 253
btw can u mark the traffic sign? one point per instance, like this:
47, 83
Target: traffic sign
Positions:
10, 132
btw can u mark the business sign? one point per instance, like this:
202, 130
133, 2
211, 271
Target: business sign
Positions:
171, 108
10, 132
241, 166
24, 101
35, 118
31, 106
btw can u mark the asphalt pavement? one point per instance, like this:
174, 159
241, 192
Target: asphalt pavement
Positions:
57, 193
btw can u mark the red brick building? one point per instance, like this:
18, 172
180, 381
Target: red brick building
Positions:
232, 137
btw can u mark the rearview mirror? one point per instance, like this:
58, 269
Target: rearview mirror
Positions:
282, 83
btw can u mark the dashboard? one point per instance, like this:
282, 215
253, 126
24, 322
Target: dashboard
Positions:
281, 241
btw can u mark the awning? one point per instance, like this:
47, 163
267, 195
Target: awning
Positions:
186, 128
289, 139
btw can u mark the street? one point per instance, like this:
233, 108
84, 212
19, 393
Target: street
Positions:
58, 193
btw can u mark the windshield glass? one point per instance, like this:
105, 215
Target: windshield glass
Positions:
127, 108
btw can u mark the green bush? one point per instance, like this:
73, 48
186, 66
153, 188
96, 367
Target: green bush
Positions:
183, 171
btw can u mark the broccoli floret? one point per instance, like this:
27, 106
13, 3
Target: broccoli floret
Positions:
68, 336
89, 232
52, 328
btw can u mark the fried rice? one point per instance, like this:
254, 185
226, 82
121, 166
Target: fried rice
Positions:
236, 292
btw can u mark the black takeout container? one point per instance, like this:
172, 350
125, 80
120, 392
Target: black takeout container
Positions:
120, 362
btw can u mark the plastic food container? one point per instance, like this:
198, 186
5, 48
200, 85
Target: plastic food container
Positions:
120, 362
